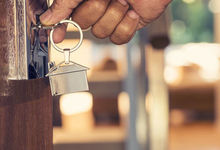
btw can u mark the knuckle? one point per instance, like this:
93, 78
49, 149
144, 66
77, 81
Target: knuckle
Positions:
125, 30
95, 9
98, 5
99, 32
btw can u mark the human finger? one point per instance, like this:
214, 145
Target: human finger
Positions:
59, 10
112, 17
89, 12
126, 29
59, 33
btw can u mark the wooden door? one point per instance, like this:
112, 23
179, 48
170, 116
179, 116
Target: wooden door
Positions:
26, 116
25, 105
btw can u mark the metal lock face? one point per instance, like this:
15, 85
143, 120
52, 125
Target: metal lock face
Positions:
68, 79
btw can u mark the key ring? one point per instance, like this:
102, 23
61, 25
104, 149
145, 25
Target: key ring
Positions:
80, 40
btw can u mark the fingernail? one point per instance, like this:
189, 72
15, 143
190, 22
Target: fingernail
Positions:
123, 2
132, 14
46, 17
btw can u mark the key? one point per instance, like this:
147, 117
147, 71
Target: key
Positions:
67, 76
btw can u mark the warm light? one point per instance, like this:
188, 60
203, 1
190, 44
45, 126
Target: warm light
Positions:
209, 76
75, 103
123, 108
205, 55
171, 74
188, 1
123, 103
214, 6
175, 56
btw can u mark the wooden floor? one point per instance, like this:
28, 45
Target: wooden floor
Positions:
198, 136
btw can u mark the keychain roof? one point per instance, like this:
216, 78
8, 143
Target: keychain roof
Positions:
59, 69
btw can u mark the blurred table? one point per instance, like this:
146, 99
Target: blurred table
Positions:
99, 138
197, 136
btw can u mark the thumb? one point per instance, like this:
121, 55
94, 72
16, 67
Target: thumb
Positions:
59, 10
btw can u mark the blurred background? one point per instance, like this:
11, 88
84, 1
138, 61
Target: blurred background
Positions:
160, 91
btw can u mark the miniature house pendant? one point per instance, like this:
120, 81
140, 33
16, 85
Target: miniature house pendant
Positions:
67, 76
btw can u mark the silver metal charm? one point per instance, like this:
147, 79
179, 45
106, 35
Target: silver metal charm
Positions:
80, 40
67, 76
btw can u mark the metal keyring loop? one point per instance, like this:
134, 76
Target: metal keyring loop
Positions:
80, 40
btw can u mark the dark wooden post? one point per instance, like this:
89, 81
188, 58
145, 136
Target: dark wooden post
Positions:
25, 105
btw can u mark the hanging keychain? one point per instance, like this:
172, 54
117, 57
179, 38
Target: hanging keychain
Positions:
67, 76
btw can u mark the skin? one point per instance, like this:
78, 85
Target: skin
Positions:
116, 19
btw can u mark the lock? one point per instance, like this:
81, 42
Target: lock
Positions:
28, 58
67, 76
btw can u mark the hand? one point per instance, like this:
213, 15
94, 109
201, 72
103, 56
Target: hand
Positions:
35, 7
116, 19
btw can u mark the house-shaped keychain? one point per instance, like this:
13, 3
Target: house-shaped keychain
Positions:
67, 78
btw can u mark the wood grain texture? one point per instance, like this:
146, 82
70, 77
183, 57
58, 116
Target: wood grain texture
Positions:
25, 105
26, 116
